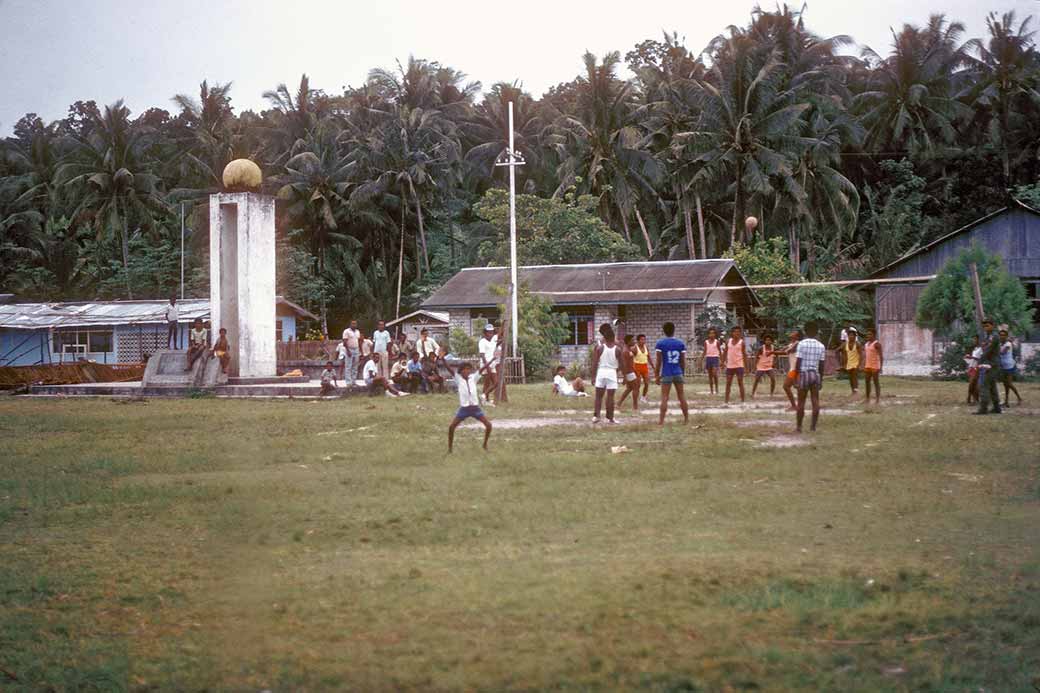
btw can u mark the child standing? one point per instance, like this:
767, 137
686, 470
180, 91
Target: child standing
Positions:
1007, 367
972, 359
328, 379
642, 363
792, 372
222, 350
628, 368
670, 365
469, 401
712, 353
606, 359
873, 362
852, 358
736, 355
764, 365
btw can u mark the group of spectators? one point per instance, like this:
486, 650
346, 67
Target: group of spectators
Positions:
401, 366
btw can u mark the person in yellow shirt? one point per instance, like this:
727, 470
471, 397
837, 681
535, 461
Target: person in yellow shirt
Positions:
852, 358
642, 363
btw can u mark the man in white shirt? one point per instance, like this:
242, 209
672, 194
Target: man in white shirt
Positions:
172, 314
810, 357
381, 348
427, 345
469, 402
352, 341
486, 347
376, 382
563, 387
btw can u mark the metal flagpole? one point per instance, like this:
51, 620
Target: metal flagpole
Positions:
512, 229
182, 251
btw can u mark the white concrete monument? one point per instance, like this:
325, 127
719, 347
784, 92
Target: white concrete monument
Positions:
242, 271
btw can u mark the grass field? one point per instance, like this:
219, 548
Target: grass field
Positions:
206, 544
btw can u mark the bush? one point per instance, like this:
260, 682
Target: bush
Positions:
951, 363
1031, 367
461, 344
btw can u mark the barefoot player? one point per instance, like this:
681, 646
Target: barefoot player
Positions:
643, 363
628, 370
792, 374
810, 357
764, 365
466, 381
873, 362
670, 364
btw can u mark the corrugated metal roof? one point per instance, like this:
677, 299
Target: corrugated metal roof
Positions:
679, 281
34, 316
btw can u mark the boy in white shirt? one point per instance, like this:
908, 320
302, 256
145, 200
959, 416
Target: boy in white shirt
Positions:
469, 402
568, 389
487, 348
376, 382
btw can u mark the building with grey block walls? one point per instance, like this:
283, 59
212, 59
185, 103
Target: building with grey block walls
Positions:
641, 295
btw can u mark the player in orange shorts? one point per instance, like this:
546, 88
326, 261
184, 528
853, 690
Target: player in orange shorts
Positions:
874, 360
643, 364
792, 373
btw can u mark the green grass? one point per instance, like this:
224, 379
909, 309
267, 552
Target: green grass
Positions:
213, 544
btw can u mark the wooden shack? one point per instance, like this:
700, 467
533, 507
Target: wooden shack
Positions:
1013, 233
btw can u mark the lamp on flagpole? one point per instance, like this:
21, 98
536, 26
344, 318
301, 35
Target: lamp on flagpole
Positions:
512, 158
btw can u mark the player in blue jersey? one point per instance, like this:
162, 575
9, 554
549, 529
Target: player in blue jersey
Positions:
669, 367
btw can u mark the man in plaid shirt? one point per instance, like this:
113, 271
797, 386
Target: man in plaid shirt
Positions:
809, 356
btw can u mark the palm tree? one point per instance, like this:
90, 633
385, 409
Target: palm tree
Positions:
749, 129
109, 169
910, 105
488, 128
315, 189
1003, 73
296, 114
207, 145
602, 149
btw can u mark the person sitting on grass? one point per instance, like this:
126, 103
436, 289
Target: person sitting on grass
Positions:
792, 373
628, 369
809, 361
1007, 366
416, 381
328, 379
198, 342
399, 372
222, 350
374, 381
764, 365
873, 362
561, 386
431, 376
469, 401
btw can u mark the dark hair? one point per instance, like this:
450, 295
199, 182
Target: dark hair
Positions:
465, 365
736, 327
424, 330
811, 328
561, 368
223, 329
629, 339
196, 320
414, 354
668, 329
328, 363
797, 334
607, 331
766, 336
640, 336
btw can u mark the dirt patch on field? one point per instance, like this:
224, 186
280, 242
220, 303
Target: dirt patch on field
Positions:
784, 441
751, 423
523, 424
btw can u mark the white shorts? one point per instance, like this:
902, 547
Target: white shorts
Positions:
606, 378
629, 377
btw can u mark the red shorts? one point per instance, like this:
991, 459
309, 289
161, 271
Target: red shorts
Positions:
642, 370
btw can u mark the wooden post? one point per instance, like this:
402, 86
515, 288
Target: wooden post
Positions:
979, 314
500, 395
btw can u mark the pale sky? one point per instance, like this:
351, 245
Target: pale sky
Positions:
145, 51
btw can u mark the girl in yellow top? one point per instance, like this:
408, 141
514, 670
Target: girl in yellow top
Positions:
736, 354
873, 362
852, 358
642, 363
764, 365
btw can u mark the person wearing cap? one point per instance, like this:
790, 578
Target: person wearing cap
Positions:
989, 365
852, 358
487, 348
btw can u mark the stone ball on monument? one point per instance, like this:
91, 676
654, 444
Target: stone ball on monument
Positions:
242, 175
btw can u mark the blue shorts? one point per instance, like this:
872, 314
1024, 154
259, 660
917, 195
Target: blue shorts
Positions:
473, 412
711, 362
671, 380
1010, 371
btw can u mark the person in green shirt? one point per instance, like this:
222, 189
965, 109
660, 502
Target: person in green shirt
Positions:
989, 370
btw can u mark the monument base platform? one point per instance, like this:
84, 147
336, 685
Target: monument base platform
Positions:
269, 380
310, 389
